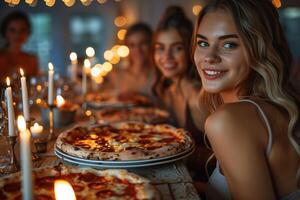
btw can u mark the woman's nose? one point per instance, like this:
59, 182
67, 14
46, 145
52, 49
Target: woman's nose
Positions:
212, 56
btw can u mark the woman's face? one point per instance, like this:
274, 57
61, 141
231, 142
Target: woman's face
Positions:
17, 32
169, 54
139, 46
219, 54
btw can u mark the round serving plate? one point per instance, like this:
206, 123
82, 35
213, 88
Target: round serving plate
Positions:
124, 161
110, 165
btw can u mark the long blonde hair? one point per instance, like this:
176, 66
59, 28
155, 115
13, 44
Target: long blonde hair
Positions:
268, 56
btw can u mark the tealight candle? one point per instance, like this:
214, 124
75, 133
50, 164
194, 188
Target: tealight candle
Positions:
24, 96
36, 130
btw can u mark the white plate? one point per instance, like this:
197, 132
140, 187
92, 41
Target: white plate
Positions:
121, 166
123, 161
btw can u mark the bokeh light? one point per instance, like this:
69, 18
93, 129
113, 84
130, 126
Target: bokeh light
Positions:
120, 21
121, 34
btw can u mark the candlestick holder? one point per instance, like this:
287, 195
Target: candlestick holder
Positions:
51, 122
13, 163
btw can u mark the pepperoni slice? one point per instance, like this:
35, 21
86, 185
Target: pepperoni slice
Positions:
88, 177
12, 187
77, 188
42, 197
98, 186
105, 193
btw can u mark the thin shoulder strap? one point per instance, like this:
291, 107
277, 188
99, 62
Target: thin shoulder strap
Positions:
269, 147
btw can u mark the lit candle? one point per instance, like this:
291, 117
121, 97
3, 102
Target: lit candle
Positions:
10, 109
60, 101
90, 52
73, 68
50, 83
85, 71
24, 96
36, 130
25, 155
63, 190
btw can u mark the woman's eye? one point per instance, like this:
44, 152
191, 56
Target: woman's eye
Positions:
178, 48
230, 45
158, 48
202, 44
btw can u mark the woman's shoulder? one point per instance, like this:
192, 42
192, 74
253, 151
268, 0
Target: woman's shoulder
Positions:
236, 119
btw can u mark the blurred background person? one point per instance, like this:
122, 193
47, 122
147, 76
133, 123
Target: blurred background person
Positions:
15, 30
135, 74
177, 83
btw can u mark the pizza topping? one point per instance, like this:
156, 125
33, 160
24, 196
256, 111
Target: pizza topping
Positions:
12, 187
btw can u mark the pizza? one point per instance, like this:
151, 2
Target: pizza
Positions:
88, 184
123, 141
124, 99
141, 114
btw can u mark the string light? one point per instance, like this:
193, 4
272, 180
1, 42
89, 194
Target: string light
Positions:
50, 3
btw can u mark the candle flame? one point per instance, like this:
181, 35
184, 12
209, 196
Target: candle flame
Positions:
63, 190
73, 56
60, 101
21, 72
50, 66
21, 123
7, 81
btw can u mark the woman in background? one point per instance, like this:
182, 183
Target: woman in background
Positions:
135, 74
15, 30
243, 61
177, 83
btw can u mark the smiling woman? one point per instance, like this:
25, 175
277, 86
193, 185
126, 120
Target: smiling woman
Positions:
178, 84
243, 61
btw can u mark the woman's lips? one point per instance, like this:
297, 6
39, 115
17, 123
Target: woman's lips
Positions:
211, 74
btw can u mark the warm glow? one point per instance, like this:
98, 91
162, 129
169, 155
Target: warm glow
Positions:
96, 70
101, 1
21, 72
120, 21
122, 34
50, 66
88, 113
115, 59
107, 66
108, 55
30, 1
39, 88
276, 3
99, 79
50, 3
87, 63
197, 9
90, 52
63, 190
115, 48
60, 101
73, 56
38, 101
123, 51
7, 81
21, 123
69, 3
